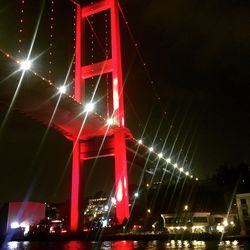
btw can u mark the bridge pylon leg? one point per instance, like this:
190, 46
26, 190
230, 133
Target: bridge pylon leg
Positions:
75, 181
121, 179
83, 71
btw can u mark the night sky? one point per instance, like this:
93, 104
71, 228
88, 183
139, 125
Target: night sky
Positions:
193, 90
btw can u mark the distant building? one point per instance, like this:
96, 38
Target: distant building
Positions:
20, 215
223, 222
199, 222
243, 206
99, 212
186, 221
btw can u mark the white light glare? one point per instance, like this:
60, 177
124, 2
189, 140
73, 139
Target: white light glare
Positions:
110, 121
220, 228
14, 225
62, 89
26, 227
89, 107
160, 155
187, 173
181, 169
136, 194
151, 149
225, 223
235, 243
140, 141
175, 165
25, 65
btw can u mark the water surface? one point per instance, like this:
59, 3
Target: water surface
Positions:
126, 245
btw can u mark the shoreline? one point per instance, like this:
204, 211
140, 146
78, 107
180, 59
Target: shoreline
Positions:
102, 236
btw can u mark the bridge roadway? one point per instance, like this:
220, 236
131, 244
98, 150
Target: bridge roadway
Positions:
37, 99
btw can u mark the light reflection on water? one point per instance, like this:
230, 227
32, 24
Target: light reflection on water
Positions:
125, 245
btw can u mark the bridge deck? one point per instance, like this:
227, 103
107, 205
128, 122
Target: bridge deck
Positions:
37, 99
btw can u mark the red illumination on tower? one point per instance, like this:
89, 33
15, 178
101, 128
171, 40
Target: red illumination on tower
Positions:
113, 145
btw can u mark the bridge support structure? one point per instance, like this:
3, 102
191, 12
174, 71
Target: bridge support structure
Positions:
113, 144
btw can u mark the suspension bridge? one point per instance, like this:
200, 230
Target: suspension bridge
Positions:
93, 135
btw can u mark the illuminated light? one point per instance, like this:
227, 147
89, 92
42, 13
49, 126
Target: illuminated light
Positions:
228, 242
14, 225
56, 221
119, 194
197, 227
196, 179
160, 155
13, 245
187, 173
151, 149
62, 89
25, 65
125, 182
26, 227
185, 228
181, 169
140, 141
194, 242
221, 244
147, 185
179, 243
220, 228
136, 195
168, 160
225, 223
113, 200
148, 210
191, 176
232, 223
115, 94
186, 207
235, 243
175, 165
89, 107
105, 223
110, 121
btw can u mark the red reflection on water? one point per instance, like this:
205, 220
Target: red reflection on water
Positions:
122, 245
75, 245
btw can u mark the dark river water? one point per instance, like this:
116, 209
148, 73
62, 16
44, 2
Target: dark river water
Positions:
126, 245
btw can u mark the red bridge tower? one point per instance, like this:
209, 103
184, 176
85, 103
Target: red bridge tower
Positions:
114, 143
